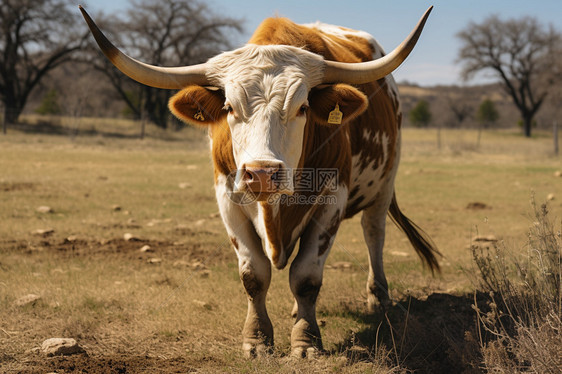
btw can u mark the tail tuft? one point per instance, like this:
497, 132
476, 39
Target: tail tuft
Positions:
421, 242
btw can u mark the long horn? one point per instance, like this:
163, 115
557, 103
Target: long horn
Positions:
364, 72
154, 76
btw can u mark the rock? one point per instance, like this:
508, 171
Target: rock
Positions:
61, 347
116, 208
203, 304
180, 263
154, 260
43, 232
146, 248
205, 274
29, 299
198, 265
131, 238
70, 239
184, 185
399, 253
45, 209
199, 222
550, 197
558, 173
35, 350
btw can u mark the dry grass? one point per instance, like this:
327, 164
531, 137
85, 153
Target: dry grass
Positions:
522, 330
181, 307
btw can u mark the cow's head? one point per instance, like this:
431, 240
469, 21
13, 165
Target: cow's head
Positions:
264, 95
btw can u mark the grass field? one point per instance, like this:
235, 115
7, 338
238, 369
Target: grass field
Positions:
179, 306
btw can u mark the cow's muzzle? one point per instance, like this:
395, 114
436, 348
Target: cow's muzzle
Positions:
264, 179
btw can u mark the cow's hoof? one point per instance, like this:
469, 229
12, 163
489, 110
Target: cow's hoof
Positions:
306, 352
253, 350
378, 304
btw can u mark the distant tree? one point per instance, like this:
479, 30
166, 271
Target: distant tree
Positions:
164, 33
50, 103
36, 36
460, 108
420, 115
486, 115
520, 52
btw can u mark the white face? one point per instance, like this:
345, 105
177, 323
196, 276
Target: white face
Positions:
266, 90
268, 127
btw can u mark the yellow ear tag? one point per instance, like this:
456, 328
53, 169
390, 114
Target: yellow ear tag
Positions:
335, 116
199, 116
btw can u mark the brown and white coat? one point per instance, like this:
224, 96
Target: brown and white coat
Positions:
267, 106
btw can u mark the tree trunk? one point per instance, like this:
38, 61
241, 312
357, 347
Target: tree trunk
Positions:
143, 125
527, 124
4, 123
11, 114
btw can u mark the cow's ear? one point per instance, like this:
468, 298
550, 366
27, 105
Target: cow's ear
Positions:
336, 104
197, 105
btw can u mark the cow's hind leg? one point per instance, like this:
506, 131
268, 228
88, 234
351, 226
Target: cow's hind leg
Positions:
373, 222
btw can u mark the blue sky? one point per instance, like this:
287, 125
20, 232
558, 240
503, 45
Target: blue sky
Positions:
433, 60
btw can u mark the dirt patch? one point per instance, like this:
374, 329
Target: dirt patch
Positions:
16, 186
477, 205
190, 252
108, 365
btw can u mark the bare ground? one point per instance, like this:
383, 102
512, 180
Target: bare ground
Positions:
432, 333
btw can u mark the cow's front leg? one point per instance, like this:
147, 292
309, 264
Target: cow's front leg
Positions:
306, 279
255, 273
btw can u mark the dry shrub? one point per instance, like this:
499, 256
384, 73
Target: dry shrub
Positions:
521, 329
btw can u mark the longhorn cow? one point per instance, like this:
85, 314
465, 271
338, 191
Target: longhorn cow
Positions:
304, 124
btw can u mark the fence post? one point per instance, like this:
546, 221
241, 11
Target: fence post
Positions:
555, 136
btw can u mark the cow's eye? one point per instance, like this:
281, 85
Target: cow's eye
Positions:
302, 110
228, 108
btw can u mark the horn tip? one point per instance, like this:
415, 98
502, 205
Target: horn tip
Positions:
428, 10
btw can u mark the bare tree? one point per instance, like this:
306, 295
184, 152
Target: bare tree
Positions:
164, 33
460, 107
35, 37
520, 53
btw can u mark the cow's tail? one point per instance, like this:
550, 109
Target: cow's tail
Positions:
421, 242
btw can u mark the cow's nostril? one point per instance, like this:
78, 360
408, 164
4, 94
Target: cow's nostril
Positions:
248, 177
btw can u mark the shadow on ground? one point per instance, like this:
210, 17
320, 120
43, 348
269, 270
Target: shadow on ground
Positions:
438, 334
